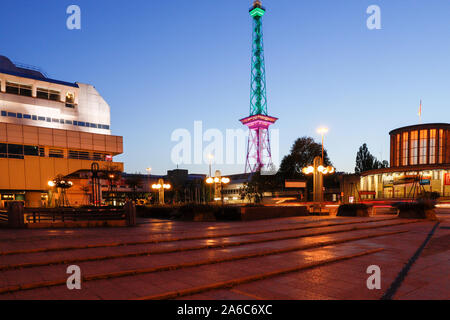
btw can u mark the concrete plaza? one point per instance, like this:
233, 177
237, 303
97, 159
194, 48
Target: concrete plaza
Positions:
291, 258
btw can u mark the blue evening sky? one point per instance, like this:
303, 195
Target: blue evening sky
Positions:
162, 64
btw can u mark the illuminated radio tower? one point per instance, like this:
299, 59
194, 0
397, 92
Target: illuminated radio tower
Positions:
259, 156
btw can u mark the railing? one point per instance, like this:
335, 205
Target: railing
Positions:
30, 67
36, 215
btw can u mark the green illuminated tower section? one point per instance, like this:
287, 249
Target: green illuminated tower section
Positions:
258, 100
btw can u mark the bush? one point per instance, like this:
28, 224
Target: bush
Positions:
353, 210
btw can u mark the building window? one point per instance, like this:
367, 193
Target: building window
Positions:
12, 88
31, 151
20, 89
405, 149
432, 146
48, 94
397, 151
414, 148
3, 150
441, 146
82, 155
56, 153
3, 113
70, 100
423, 146
15, 151
98, 157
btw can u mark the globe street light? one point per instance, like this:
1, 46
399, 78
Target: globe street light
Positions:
161, 186
218, 181
318, 170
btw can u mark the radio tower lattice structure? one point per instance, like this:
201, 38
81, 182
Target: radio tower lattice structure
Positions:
259, 156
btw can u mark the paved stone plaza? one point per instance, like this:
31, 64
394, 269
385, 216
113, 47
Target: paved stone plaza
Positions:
289, 258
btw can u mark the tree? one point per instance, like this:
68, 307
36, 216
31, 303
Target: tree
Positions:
133, 181
381, 164
257, 185
113, 175
86, 189
366, 161
302, 154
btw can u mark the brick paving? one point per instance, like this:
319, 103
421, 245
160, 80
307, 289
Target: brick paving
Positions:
173, 257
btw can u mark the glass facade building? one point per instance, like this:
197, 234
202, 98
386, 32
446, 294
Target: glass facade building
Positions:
419, 161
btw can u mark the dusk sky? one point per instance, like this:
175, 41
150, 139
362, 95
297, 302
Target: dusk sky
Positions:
161, 65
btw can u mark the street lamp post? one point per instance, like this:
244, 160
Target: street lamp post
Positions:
210, 158
322, 131
161, 186
219, 181
149, 170
318, 171
61, 186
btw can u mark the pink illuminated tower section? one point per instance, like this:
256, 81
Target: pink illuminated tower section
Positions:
259, 156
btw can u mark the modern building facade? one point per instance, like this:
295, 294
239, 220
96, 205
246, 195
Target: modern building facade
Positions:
48, 128
420, 161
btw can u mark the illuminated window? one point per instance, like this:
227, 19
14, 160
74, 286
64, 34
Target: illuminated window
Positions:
423, 146
70, 100
432, 146
414, 148
397, 155
405, 149
441, 146
70, 97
